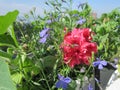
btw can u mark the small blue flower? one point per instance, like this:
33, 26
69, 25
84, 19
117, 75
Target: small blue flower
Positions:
81, 21
44, 34
49, 21
75, 15
53, 20
90, 87
63, 82
99, 63
43, 39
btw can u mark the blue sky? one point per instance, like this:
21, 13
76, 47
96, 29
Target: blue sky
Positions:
24, 6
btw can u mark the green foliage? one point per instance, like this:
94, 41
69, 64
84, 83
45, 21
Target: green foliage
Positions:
6, 40
5, 55
72, 86
7, 20
49, 61
11, 32
6, 82
34, 65
107, 35
17, 77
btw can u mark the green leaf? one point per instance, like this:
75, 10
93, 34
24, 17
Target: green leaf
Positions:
100, 47
28, 65
6, 82
7, 20
11, 32
72, 85
5, 55
104, 38
73, 12
17, 77
119, 68
10, 51
6, 40
49, 61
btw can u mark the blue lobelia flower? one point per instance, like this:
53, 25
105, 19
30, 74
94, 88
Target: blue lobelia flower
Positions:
53, 20
90, 87
44, 32
63, 82
49, 21
75, 15
43, 35
43, 39
81, 21
100, 63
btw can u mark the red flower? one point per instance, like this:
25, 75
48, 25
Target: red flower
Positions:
77, 47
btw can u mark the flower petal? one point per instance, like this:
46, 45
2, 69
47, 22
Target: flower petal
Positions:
67, 80
100, 66
49, 21
90, 87
43, 32
59, 84
96, 63
81, 21
64, 85
60, 77
43, 40
104, 63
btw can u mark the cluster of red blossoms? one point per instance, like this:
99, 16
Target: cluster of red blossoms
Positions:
78, 47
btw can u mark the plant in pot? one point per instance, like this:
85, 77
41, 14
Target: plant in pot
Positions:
67, 49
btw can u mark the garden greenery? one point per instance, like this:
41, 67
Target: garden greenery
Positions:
56, 51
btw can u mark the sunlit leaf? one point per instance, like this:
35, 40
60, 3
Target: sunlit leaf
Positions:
7, 20
17, 77
119, 68
6, 82
11, 32
5, 55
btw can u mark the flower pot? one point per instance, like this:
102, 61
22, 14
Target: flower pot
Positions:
103, 76
86, 84
100, 80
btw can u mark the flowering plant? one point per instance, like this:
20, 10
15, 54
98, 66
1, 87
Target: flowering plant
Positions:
62, 49
77, 47
80, 46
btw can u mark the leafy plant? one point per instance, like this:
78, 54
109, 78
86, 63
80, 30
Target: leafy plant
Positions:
51, 52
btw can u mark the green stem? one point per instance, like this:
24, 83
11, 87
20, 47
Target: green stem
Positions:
87, 71
20, 31
89, 67
21, 66
85, 75
42, 72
